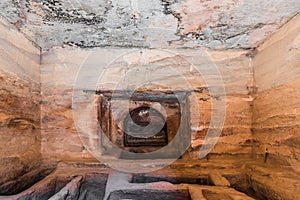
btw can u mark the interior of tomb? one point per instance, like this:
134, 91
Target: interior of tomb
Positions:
195, 100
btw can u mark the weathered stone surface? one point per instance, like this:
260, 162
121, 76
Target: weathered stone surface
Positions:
93, 186
276, 123
276, 111
18, 54
59, 73
215, 178
275, 68
70, 191
28, 111
140, 23
181, 179
237, 128
216, 193
19, 111
42, 190
231, 24
262, 180
149, 194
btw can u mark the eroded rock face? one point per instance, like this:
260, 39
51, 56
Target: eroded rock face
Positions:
19, 111
190, 23
19, 131
245, 179
60, 138
229, 24
276, 110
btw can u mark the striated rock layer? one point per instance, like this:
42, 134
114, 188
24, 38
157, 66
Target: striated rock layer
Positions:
60, 70
38, 98
19, 111
276, 111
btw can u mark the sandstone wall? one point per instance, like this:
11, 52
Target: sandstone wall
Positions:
235, 68
276, 112
60, 70
19, 110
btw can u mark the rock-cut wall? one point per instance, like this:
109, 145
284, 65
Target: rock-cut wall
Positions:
19, 110
276, 114
60, 69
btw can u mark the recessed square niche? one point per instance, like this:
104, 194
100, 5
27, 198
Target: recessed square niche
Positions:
138, 131
140, 122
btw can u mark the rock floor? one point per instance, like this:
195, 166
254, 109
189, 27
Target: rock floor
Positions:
219, 178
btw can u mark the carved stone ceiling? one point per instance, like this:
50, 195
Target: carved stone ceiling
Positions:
226, 24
